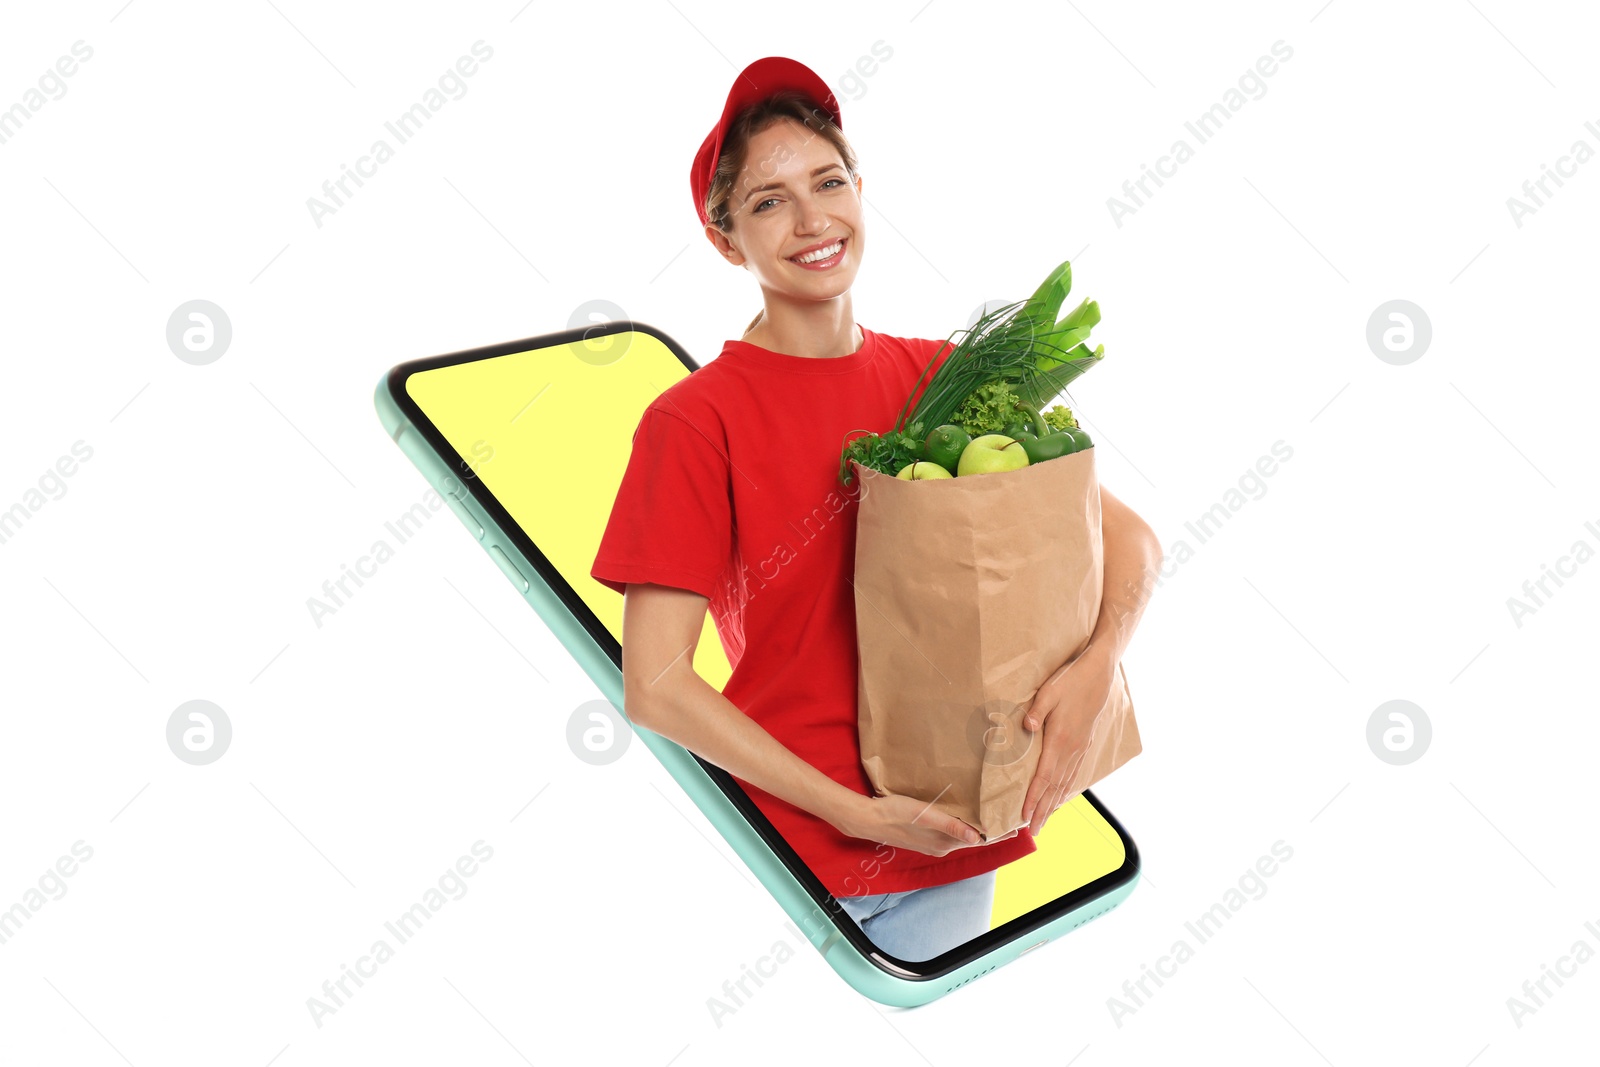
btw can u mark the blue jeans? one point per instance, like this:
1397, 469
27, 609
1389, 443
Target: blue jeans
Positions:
919, 924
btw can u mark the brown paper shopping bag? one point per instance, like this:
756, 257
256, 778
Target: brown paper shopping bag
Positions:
969, 593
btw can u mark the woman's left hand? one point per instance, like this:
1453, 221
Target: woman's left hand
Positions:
1058, 709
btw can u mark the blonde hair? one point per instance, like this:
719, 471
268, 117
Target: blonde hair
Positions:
788, 104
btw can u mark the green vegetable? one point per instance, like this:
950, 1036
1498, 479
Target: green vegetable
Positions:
1021, 346
945, 445
1065, 366
1085, 315
1060, 417
888, 453
1082, 439
988, 409
1050, 446
996, 408
1038, 314
1068, 334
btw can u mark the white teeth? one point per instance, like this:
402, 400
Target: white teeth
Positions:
821, 253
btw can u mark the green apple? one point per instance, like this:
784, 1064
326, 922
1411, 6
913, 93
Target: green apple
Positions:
922, 471
991, 454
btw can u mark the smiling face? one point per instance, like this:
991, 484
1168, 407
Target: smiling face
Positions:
794, 197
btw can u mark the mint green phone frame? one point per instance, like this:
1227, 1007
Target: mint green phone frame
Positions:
834, 934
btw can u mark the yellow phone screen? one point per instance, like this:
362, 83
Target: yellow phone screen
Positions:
548, 432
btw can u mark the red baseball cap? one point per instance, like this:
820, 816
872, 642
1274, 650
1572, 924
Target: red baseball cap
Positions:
755, 83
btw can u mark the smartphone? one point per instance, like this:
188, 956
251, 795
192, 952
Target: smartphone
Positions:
480, 426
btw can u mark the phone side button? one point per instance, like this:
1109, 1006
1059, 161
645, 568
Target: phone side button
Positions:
464, 515
1030, 948
509, 568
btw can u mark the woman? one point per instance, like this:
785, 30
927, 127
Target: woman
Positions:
731, 501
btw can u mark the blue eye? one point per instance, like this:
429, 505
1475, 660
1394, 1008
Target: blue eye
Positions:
762, 206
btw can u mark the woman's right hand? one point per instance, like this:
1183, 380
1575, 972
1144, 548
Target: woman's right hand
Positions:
906, 822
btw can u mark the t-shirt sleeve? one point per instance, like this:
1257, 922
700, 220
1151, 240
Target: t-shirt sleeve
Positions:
672, 520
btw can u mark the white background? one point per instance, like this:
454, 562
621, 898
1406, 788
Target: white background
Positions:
371, 752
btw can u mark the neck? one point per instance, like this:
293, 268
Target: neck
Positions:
824, 330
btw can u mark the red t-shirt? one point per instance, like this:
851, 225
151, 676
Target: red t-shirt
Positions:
732, 491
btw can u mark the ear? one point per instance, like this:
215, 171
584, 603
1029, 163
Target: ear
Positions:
858, 185
724, 247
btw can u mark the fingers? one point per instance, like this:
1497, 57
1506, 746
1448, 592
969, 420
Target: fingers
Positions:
1046, 776
1057, 798
1036, 791
1037, 709
1060, 757
1067, 791
1047, 805
1051, 785
1072, 765
1043, 785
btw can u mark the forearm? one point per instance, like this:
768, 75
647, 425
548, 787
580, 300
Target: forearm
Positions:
686, 709
1132, 557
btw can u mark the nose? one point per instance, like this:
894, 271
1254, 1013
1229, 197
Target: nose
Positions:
813, 220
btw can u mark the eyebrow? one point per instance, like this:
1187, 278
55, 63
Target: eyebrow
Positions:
779, 185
